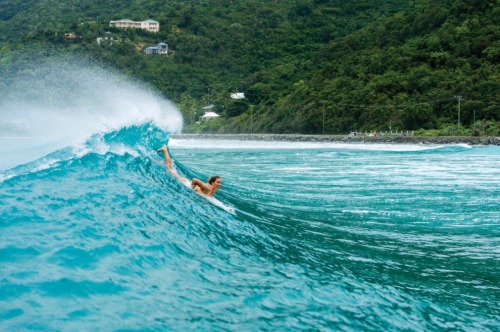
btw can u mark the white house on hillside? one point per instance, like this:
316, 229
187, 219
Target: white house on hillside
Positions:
208, 115
108, 40
149, 25
161, 48
238, 95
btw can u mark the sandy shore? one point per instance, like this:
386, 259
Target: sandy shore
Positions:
347, 139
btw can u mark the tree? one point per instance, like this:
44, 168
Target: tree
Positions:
417, 116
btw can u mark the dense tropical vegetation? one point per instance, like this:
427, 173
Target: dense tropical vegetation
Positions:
305, 66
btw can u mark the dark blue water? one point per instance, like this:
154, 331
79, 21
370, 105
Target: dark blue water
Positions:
323, 237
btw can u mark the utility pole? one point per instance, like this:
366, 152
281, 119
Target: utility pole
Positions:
251, 119
324, 117
459, 98
474, 123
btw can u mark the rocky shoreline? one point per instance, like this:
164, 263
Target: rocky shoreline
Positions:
347, 138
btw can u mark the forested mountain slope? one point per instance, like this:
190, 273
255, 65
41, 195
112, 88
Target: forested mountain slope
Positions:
305, 66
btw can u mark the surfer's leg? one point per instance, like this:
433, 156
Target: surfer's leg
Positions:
166, 155
168, 162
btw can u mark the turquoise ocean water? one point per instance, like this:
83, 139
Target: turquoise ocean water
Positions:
323, 237
96, 236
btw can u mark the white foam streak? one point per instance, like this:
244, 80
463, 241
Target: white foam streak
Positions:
255, 144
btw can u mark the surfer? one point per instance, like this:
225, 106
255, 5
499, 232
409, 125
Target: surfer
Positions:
208, 189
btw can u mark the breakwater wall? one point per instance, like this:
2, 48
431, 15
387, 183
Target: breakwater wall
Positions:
347, 138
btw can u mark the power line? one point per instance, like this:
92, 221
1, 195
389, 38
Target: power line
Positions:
392, 105
487, 102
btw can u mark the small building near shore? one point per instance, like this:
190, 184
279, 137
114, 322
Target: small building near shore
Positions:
208, 115
238, 95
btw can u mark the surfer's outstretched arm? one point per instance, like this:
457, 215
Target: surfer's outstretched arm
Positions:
168, 162
195, 182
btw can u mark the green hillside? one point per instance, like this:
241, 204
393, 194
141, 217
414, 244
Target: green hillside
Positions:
305, 66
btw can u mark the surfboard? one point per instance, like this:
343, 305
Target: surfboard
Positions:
213, 200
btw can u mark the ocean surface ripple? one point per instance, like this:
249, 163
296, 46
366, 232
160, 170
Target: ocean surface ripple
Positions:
324, 236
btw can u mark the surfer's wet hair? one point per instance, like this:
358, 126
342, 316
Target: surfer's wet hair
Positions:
213, 179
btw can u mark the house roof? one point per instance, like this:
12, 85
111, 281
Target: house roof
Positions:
129, 20
210, 115
238, 95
